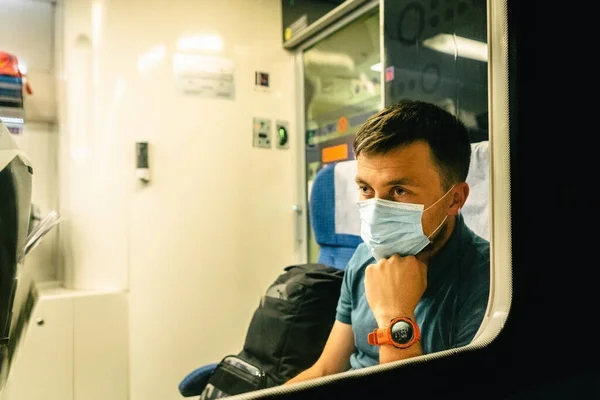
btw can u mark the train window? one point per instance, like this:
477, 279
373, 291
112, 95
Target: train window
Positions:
451, 55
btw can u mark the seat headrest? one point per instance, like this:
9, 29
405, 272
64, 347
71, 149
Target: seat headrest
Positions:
333, 212
476, 210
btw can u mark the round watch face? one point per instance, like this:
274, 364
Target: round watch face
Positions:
402, 332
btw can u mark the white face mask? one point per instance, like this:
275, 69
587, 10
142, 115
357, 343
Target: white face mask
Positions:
390, 227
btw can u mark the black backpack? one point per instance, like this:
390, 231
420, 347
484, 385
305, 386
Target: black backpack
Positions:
287, 332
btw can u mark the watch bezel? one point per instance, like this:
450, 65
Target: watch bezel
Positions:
416, 334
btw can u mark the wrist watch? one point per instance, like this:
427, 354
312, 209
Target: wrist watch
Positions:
401, 332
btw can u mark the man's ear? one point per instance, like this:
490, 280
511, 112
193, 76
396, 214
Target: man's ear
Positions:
459, 197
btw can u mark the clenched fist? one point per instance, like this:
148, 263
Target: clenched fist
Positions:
394, 286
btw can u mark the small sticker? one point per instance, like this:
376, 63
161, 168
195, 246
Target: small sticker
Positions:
296, 27
334, 153
261, 79
205, 76
342, 125
389, 73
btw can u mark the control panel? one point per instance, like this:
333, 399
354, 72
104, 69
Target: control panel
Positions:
261, 133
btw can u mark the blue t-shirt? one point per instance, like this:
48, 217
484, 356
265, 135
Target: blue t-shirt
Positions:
451, 309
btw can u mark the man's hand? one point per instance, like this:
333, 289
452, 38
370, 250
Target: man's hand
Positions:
394, 286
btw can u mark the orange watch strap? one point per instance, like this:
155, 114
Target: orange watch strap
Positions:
380, 336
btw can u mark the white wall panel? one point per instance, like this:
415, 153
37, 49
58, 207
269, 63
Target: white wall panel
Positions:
94, 189
198, 245
75, 348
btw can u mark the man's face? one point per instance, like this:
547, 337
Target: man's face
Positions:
406, 174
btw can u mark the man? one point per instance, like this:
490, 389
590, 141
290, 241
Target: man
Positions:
420, 281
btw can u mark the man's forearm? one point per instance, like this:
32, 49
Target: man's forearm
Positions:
389, 353
310, 373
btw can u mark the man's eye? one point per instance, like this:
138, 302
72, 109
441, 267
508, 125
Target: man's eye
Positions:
398, 191
364, 190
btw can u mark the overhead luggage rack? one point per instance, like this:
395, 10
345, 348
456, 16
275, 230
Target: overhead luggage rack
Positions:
12, 112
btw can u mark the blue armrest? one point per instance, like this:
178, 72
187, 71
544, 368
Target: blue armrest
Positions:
195, 382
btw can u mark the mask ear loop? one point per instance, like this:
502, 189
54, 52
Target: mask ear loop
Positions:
440, 199
438, 228
445, 218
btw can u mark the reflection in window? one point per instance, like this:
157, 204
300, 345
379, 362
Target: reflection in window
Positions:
342, 88
437, 51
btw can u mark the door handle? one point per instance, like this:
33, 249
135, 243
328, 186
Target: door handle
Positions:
298, 221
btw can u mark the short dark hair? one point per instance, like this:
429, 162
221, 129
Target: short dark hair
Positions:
409, 121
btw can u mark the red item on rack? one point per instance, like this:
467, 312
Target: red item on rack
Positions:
9, 65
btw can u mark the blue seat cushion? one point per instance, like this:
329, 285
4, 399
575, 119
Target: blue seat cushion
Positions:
195, 382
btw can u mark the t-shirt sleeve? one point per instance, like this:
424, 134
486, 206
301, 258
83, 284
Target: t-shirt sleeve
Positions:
344, 306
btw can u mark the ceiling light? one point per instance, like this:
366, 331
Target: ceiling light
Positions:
376, 67
458, 46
